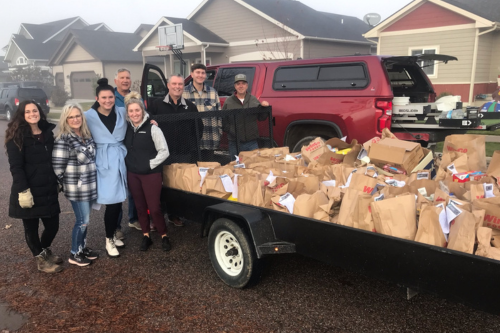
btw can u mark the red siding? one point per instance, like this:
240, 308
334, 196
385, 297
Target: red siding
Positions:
428, 15
485, 88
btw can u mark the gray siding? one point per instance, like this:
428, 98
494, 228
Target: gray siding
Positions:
321, 49
78, 53
233, 22
485, 45
458, 43
495, 57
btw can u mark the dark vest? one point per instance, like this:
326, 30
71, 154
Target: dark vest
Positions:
140, 149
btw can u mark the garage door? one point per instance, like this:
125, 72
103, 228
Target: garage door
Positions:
81, 85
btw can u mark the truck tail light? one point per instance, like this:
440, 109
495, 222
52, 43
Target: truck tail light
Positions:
432, 97
384, 114
16, 101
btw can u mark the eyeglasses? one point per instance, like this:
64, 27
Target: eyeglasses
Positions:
74, 117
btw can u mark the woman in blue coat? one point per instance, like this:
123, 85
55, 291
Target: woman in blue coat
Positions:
108, 126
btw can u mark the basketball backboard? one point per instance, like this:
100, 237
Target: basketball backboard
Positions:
171, 35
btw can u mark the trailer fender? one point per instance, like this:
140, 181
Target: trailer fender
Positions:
254, 221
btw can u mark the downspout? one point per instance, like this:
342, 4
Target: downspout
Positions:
474, 61
204, 54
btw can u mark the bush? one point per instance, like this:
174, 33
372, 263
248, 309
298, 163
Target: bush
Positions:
59, 96
444, 93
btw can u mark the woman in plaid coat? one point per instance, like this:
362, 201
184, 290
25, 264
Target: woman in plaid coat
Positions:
73, 159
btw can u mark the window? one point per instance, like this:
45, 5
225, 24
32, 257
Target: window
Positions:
224, 82
3, 93
155, 86
327, 76
177, 67
429, 67
208, 61
21, 61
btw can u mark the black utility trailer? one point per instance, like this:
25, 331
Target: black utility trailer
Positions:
240, 235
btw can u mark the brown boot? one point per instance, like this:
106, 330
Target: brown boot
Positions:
44, 265
52, 257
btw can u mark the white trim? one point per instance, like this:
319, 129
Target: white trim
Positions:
302, 49
22, 25
368, 42
258, 41
269, 18
423, 48
376, 31
103, 25
197, 9
474, 66
429, 30
67, 26
12, 41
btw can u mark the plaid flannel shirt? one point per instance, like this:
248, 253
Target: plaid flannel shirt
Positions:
208, 100
74, 165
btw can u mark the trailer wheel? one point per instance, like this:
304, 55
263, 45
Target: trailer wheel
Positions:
232, 255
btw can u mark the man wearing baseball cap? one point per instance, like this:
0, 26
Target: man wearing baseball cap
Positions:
248, 131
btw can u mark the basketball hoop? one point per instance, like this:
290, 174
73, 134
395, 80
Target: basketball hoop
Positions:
164, 48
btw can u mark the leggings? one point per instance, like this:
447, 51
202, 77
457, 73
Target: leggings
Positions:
110, 217
35, 243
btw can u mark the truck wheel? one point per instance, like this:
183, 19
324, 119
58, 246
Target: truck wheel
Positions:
302, 142
232, 254
8, 114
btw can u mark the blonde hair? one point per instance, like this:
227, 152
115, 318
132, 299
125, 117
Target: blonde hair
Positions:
134, 97
64, 126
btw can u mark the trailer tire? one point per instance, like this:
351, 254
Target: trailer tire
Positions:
240, 267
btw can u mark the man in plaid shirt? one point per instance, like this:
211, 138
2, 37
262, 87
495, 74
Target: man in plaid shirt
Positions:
206, 99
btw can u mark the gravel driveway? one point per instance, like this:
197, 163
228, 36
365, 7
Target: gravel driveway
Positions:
180, 292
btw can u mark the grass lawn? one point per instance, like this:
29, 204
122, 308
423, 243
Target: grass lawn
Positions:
86, 106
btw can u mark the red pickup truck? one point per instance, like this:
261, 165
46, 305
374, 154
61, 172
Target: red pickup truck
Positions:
331, 97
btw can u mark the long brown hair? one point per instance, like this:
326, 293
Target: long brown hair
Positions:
18, 125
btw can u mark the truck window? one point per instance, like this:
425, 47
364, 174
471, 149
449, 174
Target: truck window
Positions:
224, 83
3, 93
343, 76
155, 86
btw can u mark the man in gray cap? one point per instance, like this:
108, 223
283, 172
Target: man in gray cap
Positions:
248, 131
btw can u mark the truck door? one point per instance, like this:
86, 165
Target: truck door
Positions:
153, 84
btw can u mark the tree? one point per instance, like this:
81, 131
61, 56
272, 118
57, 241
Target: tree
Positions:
33, 73
282, 45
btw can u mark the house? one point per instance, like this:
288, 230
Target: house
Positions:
228, 31
34, 44
466, 29
84, 55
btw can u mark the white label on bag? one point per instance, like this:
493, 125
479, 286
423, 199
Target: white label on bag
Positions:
379, 198
396, 183
329, 182
287, 200
375, 175
443, 221
456, 203
422, 191
289, 158
344, 138
237, 159
422, 175
203, 173
488, 190
362, 153
227, 183
239, 166
235, 186
452, 212
452, 168
271, 178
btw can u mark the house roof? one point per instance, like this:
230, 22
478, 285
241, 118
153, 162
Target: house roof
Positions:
38, 31
310, 22
143, 26
35, 49
104, 45
197, 30
488, 9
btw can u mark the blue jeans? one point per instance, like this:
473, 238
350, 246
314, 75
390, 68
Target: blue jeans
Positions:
244, 146
79, 235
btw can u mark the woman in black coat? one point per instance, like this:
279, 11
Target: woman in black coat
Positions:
29, 141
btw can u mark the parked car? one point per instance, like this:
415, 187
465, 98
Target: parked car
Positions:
11, 96
330, 97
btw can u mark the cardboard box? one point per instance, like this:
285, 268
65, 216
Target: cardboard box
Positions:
404, 155
427, 163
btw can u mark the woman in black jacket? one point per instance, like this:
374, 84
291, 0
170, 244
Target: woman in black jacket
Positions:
29, 141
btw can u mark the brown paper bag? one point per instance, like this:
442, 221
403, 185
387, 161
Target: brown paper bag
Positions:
362, 215
329, 157
309, 205
334, 195
188, 177
492, 208
211, 165
223, 170
440, 196
386, 134
494, 167
419, 175
472, 145
349, 206
396, 217
250, 190
484, 248
429, 230
462, 233
212, 186
363, 183
314, 150
311, 183
392, 191
476, 191
479, 215
170, 178
272, 153
495, 242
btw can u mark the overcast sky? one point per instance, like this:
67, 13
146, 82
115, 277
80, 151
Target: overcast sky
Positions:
127, 15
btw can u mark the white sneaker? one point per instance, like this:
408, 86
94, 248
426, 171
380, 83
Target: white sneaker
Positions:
118, 242
111, 248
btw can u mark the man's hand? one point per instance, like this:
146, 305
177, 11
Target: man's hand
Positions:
264, 104
154, 122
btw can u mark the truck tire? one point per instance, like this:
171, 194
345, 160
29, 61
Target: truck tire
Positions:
8, 114
232, 254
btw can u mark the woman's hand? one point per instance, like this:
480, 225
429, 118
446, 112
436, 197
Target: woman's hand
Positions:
26, 199
153, 122
265, 104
